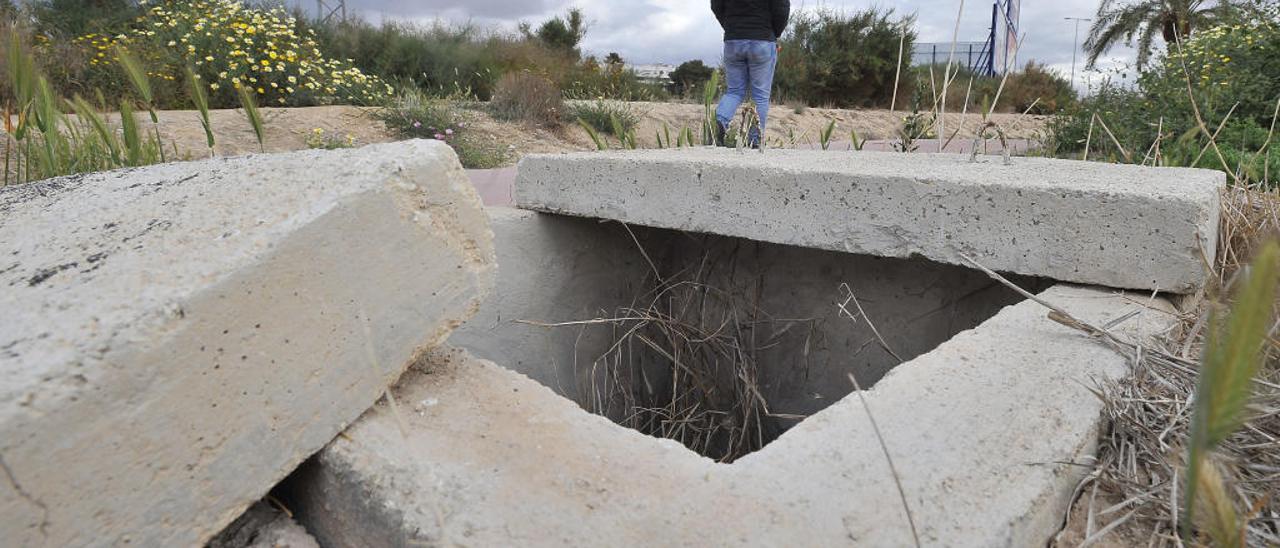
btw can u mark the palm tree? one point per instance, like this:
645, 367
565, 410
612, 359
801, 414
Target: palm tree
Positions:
1120, 21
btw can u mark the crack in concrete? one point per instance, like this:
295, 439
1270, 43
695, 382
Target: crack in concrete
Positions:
44, 509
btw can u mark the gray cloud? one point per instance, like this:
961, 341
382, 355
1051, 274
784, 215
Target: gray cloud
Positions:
479, 9
673, 31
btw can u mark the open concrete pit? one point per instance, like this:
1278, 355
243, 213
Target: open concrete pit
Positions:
721, 343
743, 266
686, 378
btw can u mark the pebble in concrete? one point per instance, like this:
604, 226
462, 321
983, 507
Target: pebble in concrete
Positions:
1111, 225
983, 431
176, 339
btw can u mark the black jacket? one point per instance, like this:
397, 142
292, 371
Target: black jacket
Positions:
752, 19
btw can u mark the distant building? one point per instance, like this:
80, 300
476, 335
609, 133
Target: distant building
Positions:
653, 74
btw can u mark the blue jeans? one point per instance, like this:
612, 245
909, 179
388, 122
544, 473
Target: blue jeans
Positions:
747, 63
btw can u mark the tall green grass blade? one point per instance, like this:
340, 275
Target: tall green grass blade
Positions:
22, 80
201, 100
132, 138
255, 117
86, 113
133, 69
1232, 358
827, 133
48, 108
618, 130
857, 143
595, 137
709, 121
666, 130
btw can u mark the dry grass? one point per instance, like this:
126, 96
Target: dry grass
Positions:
682, 364
1142, 457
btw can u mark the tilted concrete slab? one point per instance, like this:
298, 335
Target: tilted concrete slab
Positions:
176, 339
1111, 225
982, 430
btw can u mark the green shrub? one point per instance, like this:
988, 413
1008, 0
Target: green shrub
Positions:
688, 78
1035, 84
1037, 88
839, 59
1231, 66
528, 97
439, 58
562, 34
589, 80
606, 116
67, 19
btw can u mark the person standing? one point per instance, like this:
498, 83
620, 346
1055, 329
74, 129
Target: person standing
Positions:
751, 32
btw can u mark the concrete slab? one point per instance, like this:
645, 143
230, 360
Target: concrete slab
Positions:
176, 339
982, 431
1111, 225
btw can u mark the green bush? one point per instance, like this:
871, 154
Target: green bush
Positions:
528, 97
439, 58
831, 58
589, 80
1230, 66
688, 78
1035, 84
1037, 88
607, 116
67, 19
562, 34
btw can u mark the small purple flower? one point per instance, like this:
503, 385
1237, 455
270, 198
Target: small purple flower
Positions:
462, 125
439, 137
417, 125
448, 132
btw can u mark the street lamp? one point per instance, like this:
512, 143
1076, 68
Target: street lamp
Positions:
1075, 46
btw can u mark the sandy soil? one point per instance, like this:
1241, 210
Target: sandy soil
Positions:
288, 129
1080, 526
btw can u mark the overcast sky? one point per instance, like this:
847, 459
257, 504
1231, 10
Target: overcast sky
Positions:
673, 31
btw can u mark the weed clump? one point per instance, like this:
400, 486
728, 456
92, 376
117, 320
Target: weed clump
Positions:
616, 118
415, 115
528, 97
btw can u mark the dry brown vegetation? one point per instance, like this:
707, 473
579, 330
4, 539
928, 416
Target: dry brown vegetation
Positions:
1134, 493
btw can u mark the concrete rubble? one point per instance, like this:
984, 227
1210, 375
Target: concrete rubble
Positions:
176, 339
1112, 225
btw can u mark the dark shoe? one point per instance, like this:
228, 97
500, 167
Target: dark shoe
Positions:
721, 130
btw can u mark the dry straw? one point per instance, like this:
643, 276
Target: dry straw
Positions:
682, 363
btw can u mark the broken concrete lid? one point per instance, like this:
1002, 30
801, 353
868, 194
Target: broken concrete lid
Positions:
1114, 225
176, 338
